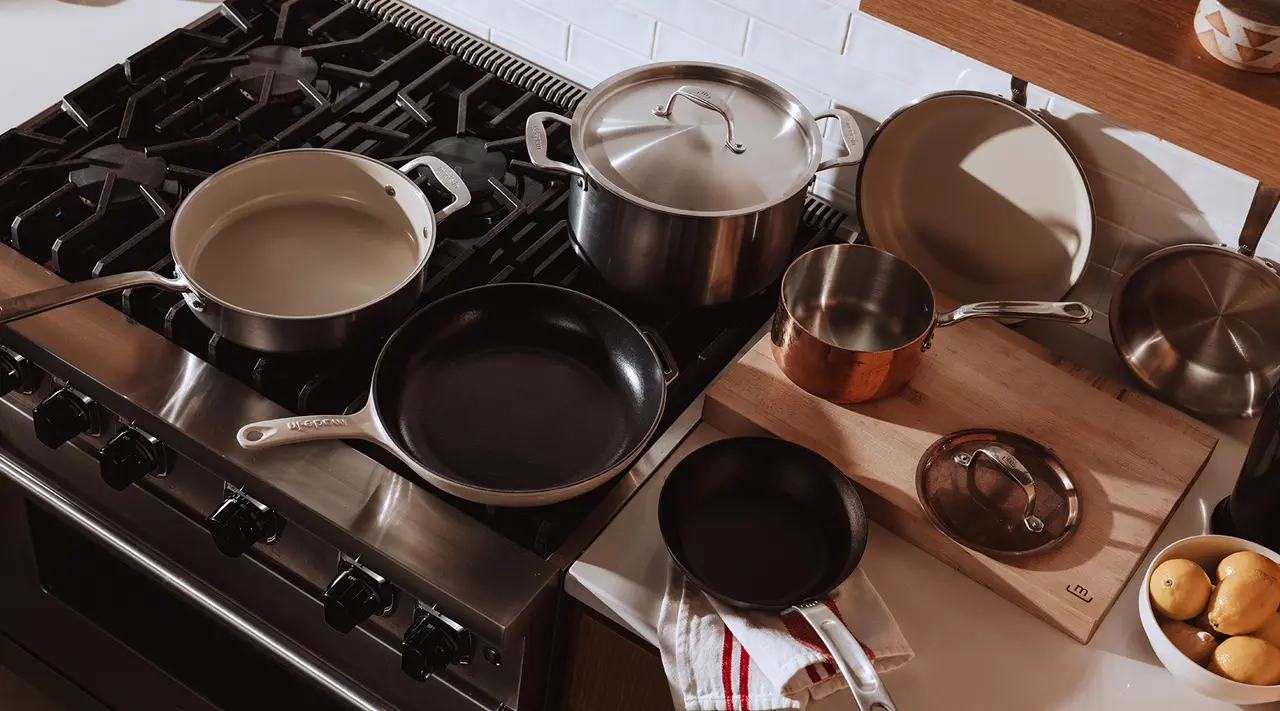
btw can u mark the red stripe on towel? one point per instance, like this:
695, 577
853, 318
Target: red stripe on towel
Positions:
744, 671
726, 669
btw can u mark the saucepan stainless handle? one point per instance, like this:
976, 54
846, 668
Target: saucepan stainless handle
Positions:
447, 178
535, 139
1068, 311
864, 682
706, 100
19, 307
850, 134
1012, 468
188, 588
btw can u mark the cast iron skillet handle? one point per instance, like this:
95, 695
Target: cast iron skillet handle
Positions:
447, 178
309, 428
535, 139
19, 307
706, 100
852, 136
660, 349
863, 680
1012, 468
1069, 311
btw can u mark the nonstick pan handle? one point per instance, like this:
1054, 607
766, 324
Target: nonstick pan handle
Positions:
309, 428
38, 302
1069, 311
857, 669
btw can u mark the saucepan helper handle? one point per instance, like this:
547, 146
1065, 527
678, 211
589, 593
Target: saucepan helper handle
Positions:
668, 361
309, 428
850, 134
706, 100
864, 682
19, 307
535, 139
1068, 311
1009, 464
448, 178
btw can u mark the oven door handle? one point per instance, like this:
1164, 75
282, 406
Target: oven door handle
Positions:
189, 588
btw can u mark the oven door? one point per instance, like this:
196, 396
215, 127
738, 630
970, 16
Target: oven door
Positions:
129, 627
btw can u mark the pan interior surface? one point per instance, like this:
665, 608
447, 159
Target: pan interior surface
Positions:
519, 388
858, 298
1201, 326
979, 196
762, 523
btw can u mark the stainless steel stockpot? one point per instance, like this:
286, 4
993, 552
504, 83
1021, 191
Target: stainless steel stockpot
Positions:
290, 251
691, 178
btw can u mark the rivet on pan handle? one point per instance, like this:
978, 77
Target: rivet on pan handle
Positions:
660, 349
448, 178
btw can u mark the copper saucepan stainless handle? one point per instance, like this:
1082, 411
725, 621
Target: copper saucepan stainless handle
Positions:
1068, 311
19, 307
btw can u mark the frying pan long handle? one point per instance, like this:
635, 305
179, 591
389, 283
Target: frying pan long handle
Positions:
864, 682
1068, 311
19, 307
308, 428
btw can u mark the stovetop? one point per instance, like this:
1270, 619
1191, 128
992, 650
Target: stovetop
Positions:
90, 190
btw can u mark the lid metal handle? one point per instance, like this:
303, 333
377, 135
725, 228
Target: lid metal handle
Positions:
706, 100
1013, 468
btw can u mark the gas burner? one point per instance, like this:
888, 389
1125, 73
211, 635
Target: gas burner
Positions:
476, 163
289, 66
132, 169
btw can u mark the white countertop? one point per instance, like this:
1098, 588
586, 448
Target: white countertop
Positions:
973, 649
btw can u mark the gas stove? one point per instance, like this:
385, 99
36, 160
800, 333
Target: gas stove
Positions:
134, 389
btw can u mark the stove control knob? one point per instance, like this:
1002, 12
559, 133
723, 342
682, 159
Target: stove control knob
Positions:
353, 596
239, 523
432, 643
62, 416
130, 456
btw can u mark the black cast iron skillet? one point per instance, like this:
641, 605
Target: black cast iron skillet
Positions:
766, 524
508, 394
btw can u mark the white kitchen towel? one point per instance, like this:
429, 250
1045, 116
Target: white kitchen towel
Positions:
719, 658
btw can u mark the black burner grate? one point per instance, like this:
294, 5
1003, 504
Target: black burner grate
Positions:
91, 189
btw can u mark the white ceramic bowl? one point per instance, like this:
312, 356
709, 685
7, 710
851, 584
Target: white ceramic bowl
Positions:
1207, 551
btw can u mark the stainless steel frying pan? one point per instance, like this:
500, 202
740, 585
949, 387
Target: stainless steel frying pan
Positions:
1199, 324
290, 251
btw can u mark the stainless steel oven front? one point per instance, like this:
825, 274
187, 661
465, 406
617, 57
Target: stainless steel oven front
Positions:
124, 593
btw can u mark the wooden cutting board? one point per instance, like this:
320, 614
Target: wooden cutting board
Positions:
1132, 457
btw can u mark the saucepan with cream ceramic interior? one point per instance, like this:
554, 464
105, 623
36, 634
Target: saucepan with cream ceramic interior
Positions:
291, 251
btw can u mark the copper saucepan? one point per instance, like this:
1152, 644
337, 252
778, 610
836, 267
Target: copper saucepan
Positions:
853, 321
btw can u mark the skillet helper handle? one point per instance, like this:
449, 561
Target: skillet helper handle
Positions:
308, 428
660, 349
535, 139
38, 302
706, 100
1009, 464
850, 134
1067, 311
864, 682
449, 179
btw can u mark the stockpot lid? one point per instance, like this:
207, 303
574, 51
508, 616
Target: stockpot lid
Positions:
657, 135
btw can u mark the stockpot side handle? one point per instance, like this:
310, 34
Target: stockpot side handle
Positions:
1067, 311
446, 177
707, 100
309, 428
19, 307
1012, 468
850, 134
535, 139
846, 651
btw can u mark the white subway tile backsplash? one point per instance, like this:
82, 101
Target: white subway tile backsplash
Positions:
877, 46
1190, 180
598, 56
976, 76
708, 20
817, 21
1114, 198
458, 19
1134, 249
617, 23
1166, 222
1268, 250
673, 45
777, 49
1100, 142
1107, 238
537, 56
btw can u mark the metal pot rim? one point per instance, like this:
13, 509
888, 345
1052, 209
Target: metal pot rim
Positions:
747, 80
194, 287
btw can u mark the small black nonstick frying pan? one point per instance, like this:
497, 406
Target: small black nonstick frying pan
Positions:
765, 524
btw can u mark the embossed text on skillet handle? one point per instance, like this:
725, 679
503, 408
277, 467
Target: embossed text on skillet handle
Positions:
307, 428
